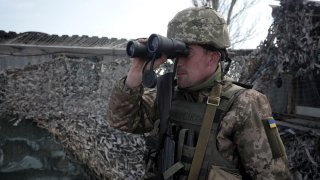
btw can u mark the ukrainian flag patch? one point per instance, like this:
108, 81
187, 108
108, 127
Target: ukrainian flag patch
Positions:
272, 123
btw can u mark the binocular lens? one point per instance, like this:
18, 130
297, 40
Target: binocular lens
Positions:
153, 46
130, 49
136, 49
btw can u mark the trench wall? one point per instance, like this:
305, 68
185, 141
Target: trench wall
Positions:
67, 94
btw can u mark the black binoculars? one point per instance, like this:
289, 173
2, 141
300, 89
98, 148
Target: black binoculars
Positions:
157, 45
153, 49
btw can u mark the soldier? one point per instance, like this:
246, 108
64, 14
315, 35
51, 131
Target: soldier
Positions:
244, 142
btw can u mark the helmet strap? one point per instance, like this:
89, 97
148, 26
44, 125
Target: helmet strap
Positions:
225, 57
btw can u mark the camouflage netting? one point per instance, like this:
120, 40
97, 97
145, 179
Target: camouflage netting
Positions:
69, 97
303, 150
292, 45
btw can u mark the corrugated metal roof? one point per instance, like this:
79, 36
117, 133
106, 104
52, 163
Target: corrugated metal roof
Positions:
39, 38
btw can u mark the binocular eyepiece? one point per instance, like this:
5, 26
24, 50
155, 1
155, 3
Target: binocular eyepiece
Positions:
157, 45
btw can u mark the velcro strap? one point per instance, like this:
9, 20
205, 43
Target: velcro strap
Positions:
182, 135
172, 170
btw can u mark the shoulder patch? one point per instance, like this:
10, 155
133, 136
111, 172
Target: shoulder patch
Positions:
271, 122
276, 145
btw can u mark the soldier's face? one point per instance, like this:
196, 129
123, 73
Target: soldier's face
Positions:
197, 67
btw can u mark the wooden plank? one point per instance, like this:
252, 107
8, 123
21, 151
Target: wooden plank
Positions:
295, 116
304, 122
289, 125
308, 111
20, 50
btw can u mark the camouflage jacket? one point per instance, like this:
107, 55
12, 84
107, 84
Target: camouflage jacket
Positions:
241, 138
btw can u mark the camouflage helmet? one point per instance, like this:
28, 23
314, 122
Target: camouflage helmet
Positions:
201, 25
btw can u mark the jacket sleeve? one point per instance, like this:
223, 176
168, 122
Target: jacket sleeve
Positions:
262, 155
131, 110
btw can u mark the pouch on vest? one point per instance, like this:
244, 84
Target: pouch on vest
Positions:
189, 117
218, 173
188, 130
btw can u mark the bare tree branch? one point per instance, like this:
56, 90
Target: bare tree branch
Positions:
233, 2
195, 3
215, 4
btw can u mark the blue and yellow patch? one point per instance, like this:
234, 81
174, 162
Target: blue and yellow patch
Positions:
272, 123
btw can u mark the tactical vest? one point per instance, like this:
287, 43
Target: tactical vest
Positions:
187, 118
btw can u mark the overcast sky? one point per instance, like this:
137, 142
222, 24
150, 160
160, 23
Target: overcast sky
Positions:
106, 18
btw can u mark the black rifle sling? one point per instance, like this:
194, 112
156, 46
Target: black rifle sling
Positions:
166, 143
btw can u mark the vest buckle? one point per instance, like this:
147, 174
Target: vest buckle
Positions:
213, 100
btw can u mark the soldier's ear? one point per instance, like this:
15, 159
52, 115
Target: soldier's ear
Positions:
215, 57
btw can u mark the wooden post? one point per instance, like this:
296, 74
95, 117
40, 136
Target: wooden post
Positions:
291, 93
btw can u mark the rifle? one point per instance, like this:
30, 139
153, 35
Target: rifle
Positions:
166, 146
